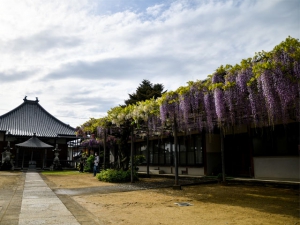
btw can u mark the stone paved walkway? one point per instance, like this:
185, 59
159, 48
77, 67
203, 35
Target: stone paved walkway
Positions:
41, 206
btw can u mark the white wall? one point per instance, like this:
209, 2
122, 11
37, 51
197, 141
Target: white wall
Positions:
283, 168
171, 170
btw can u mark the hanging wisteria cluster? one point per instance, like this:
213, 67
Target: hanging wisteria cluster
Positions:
90, 143
262, 90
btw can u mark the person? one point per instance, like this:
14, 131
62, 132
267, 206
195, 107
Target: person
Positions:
96, 162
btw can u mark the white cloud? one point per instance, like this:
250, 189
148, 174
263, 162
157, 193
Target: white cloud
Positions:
154, 10
81, 61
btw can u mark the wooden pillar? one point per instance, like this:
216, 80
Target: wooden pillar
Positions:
70, 161
222, 155
176, 185
148, 155
45, 159
31, 155
104, 149
23, 158
131, 155
17, 158
251, 169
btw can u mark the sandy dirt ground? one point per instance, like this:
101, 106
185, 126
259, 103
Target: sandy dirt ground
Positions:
210, 203
8, 179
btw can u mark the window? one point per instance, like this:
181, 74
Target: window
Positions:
155, 151
191, 151
198, 150
141, 149
280, 140
182, 151
169, 152
161, 151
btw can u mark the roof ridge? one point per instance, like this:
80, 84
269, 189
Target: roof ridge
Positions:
37, 102
26, 100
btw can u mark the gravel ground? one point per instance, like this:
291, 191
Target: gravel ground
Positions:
142, 184
154, 201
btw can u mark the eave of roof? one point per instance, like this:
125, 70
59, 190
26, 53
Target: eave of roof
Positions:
30, 117
34, 142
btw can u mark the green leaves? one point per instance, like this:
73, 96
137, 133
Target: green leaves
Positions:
89, 164
145, 91
116, 176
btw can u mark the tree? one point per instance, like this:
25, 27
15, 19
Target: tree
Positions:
146, 90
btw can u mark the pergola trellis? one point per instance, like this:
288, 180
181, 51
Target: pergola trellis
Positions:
261, 91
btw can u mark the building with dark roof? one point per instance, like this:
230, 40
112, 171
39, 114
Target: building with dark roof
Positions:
29, 118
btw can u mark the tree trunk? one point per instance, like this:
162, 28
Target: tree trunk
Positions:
175, 151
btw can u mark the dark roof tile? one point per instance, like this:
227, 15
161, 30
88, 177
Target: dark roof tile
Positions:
30, 117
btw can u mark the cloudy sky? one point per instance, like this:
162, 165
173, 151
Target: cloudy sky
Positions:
83, 57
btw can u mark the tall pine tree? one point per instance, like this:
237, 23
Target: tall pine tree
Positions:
146, 90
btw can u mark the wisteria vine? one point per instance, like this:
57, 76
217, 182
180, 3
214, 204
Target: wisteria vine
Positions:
262, 90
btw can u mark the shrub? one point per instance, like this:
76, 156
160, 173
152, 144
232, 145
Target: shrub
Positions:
138, 160
88, 167
116, 176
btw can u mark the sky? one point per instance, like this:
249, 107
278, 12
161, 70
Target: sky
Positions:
81, 58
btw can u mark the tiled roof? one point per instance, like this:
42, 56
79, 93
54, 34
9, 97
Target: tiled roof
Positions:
34, 142
30, 117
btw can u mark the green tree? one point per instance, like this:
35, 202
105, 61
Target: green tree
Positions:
146, 90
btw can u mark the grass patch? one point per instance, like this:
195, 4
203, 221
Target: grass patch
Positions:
116, 176
67, 172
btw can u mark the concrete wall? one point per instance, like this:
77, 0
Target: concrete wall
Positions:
171, 170
284, 168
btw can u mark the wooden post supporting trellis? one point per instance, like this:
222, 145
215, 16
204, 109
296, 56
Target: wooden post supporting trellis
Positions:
148, 154
176, 185
131, 155
104, 150
222, 155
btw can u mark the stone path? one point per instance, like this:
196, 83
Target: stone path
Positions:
41, 206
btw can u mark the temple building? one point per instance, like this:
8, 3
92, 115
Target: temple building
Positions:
32, 134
